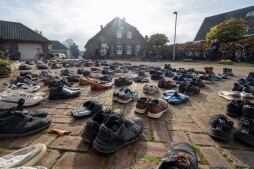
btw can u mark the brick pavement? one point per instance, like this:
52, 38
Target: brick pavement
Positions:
187, 122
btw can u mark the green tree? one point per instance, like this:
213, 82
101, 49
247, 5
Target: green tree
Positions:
228, 31
69, 43
158, 40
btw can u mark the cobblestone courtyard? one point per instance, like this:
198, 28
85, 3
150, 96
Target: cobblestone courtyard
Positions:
184, 123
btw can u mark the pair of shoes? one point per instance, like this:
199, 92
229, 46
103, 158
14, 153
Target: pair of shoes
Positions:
28, 122
156, 76
220, 127
238, 92
109, 131
169, 73
59, 91
87, 81
208, 70
25, 67
228, 71
189, 89
180, 79
124, 95
173, 97
166, 84
167, 66
150, 89
88, 109
141, 79
73, 79
130, 75
105, 78
122, 81
154, 107
197, 82
24, 158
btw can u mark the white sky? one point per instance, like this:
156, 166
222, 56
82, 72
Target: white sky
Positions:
81, 19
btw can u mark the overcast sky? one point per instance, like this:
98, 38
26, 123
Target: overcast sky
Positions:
81, 19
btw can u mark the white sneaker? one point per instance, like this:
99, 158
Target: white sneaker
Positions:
10, 100
10, 87
11, 91
25, 157
130, 75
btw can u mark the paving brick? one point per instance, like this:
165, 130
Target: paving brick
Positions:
56, 111
178, 136
204, 139
160, 131
24, 141
7, 141
45, 139
143, 164
214, 158
116, 159
4, 152
48, 159
182, 115
80, 161
129, 111
202, 122
61, 119
73, 143
241, 158
150, 149
74, 129
191, 127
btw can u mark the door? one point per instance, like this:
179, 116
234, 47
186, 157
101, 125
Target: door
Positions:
28, 50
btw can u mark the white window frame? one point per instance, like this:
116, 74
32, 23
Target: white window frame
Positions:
128, 50
119, 50
104, 45
138, 47
129, 35
119, 34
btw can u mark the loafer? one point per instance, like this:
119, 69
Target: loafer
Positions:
151, 89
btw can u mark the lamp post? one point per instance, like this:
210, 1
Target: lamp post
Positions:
174, 50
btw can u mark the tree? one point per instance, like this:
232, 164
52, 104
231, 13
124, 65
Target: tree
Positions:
69, 43
228, 31
157, 40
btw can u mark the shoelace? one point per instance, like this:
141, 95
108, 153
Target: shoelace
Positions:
180, 159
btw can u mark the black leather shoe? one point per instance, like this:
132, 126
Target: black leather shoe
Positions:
182, 155
62, 93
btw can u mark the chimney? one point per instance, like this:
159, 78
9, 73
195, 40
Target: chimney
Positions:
124, 19
101, 27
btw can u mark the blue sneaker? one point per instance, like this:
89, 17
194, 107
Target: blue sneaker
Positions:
169, 73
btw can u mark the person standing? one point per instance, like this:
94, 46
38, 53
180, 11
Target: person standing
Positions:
214, 50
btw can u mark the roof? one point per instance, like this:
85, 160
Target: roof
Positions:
116, 21
18, 31
58, 45
212, 21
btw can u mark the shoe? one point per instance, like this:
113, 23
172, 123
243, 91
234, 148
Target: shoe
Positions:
55, 66
93, 124
10, 100
142, 104
27, 124
156, 76
247, 93
167, 66
25, 157
95, 70
237, 87
41, 66
66, 72
25, 67
106, 78
180, 156
116, 133
172, 97
220, 127
191, 90
141, 79
89, 108
122, 81
169, 73
234, 108
101, 85
166, 84
130, 75
157, 108
245, 127
87, 81
86, 73
180, 79
62, 93
151, 89
230, 72
127, 95
80, 71
73, 79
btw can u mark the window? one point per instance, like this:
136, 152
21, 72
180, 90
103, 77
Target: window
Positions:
129, 35
104, 45
119, 50
128, 50
138, 47
118, 34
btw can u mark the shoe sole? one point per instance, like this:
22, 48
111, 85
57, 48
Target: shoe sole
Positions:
244, 138
61, 97
97, 145
24, 134
157, 115
225, 136
36, 158
141, 111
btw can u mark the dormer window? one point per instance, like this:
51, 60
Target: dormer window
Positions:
119, 34
129, 35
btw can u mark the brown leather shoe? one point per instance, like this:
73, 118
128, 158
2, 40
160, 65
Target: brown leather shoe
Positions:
166, 84
101, 85
142, 104
151, 89
87, 81
55, 66
157, 108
